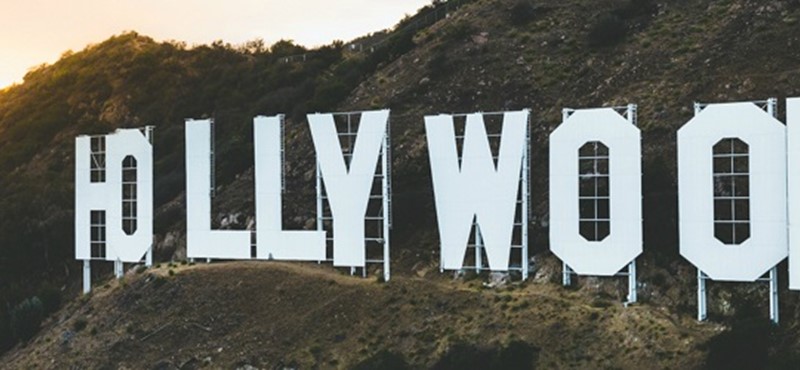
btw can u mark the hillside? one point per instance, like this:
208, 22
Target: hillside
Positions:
275, 315
485, 55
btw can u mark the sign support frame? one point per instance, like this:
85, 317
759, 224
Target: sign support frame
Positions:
523, 199
771, 107
384, 174
629, 112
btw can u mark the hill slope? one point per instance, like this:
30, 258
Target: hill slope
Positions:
487, 55
270, 315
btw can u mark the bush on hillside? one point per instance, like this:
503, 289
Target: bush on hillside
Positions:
51, 299
383, 360
26, 318
6, 339
515, 355
608, 30
522, 12
745, 346
612, 27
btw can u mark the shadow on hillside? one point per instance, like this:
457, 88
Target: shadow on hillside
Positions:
515, 355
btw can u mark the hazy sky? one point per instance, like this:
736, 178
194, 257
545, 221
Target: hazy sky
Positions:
33, 32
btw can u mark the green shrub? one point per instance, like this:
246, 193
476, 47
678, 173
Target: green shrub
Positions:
612, 27
79, 324
6, 339
745, 346
515, 355
608, 30
636, 8
26, 318
459, 32
522, 12
51, 299
383, 360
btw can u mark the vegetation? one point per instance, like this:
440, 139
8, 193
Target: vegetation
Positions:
113, 84
608, 30
26, 318
454, 56
280, 314
611, 27
522, 12
130, 80
383, 360
516, 355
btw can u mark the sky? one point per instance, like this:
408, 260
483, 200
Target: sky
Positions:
33, 32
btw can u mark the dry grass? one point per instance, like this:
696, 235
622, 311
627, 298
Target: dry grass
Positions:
268, 314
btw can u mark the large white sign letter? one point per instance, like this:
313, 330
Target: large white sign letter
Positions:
271, 241
348, 188
113, 196
595, 192
476, 188
732, 191
201, 241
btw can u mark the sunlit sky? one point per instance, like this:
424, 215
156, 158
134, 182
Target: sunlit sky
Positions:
33, 32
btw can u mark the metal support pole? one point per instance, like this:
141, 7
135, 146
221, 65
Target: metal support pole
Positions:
319, 205
631, 109
772, 107
148, 258
478, 248
254, 245
208, 260
773, 294
118, 269
350, 147
632, 296
87, 276
212, 188
632, 282
283, 152
702, 309
567, 274
526, 172
386, 194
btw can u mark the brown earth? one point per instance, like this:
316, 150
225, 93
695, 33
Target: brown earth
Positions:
274, 315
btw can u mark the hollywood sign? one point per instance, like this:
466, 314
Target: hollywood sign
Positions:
738, 182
